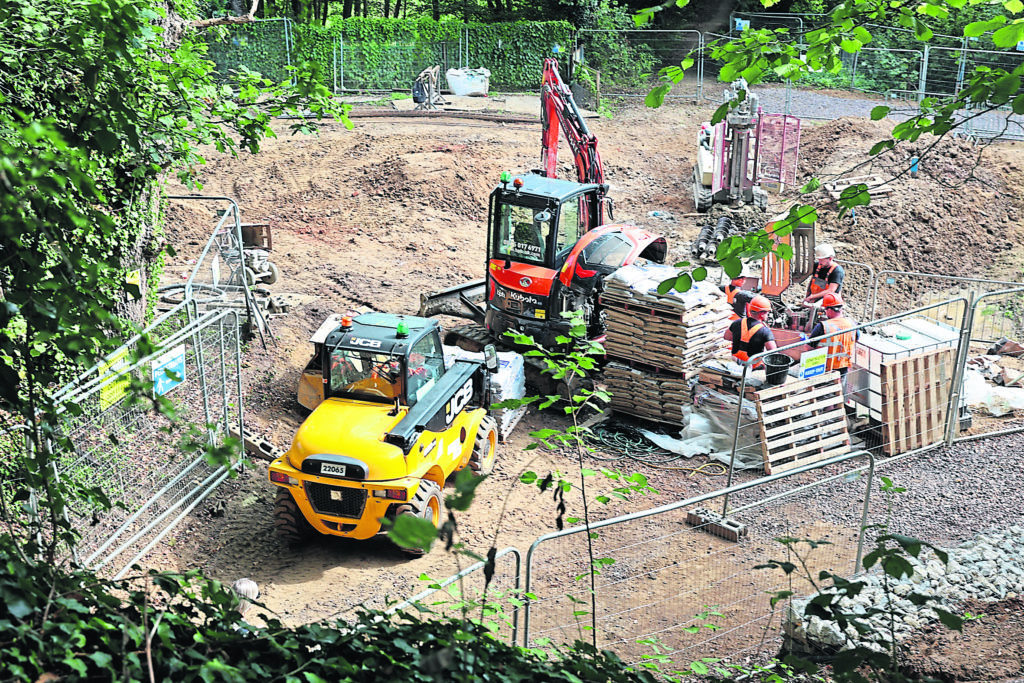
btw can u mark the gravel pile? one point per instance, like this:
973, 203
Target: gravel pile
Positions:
988, 568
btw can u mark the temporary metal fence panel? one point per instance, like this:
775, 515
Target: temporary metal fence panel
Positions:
630, 61
778, 145
384, 68
462, 596
137, 457
900, 394
661, 578
263, 45
858, 284
895, 291
992, 384
220, 279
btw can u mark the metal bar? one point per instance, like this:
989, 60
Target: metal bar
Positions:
149, 546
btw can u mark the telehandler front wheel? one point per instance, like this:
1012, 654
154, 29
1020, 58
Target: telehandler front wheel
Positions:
425, 504
291, 525
485, 446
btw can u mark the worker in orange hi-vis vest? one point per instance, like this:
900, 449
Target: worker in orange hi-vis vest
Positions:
751, 335
841, 344
736, 296
826, 278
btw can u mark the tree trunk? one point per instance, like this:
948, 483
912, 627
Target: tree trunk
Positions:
435, 9
387, 8
346, 9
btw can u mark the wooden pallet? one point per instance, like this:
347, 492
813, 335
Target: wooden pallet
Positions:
915, 392
802, 422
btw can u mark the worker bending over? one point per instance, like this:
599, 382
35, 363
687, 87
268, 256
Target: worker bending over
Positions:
840, 346
736, 296
827, 276
751, 335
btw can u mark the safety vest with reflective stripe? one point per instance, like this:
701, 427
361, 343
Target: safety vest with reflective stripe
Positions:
840, 347
820, 284
742, 345
730, 297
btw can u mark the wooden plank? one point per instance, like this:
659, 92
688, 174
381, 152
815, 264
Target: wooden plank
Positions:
799, 424
813, 446
798, 385
794, 413
802, 398
775, 468
824, 428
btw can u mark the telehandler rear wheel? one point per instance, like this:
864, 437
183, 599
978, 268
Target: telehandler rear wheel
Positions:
425, 504
288, 519
482, 460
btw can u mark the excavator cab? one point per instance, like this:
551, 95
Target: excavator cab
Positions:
548, 253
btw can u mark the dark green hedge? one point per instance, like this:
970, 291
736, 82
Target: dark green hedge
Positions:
384, 54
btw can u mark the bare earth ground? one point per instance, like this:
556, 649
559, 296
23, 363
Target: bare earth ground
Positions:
397, 206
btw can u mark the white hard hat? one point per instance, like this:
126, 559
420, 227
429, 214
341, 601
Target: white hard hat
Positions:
824, 251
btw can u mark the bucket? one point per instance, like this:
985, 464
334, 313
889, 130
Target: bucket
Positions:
776, 368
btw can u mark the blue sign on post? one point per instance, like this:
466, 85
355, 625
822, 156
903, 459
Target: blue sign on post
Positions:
169, 370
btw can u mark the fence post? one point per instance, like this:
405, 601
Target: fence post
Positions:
956, 384
922, 78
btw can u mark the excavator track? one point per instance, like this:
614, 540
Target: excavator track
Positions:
474, 338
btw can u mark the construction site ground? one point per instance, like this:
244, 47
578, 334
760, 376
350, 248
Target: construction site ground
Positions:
372, 217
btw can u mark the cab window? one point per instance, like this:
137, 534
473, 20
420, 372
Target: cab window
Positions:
608, 250
365, 376
426, 366
569, 224
523, 232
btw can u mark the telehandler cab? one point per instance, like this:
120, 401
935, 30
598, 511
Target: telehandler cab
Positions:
393, 424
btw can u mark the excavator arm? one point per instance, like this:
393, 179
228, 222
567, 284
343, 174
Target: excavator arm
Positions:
557, 104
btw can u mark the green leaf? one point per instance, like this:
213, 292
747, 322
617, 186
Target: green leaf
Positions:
665, 286
656, 97
812, 185
700, 273
1013, 6
979, 28
732, 266
879, 147
1009, 35
683, 283
880, 112
921, 31
949, 620
412, 532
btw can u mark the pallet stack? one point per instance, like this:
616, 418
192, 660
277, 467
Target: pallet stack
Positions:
658, 341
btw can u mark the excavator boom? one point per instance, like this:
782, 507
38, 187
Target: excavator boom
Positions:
557, 103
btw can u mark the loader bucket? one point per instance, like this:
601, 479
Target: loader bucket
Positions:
460, 301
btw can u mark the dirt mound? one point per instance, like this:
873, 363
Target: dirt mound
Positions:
953, 218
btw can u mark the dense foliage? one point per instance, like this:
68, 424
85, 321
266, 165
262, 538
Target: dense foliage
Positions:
76, 627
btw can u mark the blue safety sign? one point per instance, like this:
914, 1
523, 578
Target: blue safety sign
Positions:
169, 370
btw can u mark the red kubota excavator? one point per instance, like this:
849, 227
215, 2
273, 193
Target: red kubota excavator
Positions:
548, 247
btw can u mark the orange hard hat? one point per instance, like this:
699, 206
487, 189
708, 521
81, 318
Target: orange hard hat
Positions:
831, 300
759, 304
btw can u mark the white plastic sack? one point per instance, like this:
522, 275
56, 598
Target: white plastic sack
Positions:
469, 82
996, 401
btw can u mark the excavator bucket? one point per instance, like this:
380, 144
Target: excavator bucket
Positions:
778, 274
460, 301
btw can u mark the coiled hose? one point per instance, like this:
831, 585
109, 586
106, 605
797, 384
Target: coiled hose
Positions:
616, 442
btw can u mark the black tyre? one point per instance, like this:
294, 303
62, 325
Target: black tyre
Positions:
425, 504
289, 521
484, 447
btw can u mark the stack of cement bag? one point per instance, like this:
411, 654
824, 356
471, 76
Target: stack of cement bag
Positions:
657, 396
508, 382
660, 340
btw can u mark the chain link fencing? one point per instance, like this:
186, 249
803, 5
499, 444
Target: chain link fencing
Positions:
629, 62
